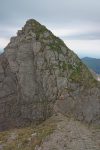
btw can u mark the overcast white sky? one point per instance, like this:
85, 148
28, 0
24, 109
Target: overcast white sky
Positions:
77, 22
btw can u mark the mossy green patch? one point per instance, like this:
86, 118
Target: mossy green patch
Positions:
82, 75
63, 65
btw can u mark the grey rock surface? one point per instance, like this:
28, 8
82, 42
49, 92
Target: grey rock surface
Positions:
36, 70
71, 135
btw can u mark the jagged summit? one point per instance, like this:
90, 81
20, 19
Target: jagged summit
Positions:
32, 26
33, 30
40, 75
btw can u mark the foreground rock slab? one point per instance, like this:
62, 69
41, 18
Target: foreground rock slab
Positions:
56, 133
72, 135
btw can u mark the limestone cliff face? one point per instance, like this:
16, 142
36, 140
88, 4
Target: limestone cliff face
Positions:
38, 71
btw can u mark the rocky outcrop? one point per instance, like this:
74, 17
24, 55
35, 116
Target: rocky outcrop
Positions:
71, 135
38, 71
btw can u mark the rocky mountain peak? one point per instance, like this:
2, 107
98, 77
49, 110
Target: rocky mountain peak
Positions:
32, 30
40, 75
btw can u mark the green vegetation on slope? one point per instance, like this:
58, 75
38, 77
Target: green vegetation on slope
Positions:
26, 138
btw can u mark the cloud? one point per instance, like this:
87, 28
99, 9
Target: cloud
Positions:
82, 31
3, 42
83, 36
8, 31
85, 47
54, 11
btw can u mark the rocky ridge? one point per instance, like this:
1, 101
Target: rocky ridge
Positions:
71, 135
38, 75
56, 133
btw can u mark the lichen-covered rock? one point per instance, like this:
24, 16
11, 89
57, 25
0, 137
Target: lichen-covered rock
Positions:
36, 69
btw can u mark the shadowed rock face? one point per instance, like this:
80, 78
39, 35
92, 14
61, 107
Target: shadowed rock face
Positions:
36, 70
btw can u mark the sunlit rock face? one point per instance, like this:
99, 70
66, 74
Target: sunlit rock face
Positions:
36, 70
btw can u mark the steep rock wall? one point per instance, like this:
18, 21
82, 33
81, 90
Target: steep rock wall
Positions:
36, 70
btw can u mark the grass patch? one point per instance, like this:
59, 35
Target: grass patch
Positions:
82, 75
27, 138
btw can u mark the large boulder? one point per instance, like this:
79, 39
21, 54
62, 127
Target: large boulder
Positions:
36, 70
